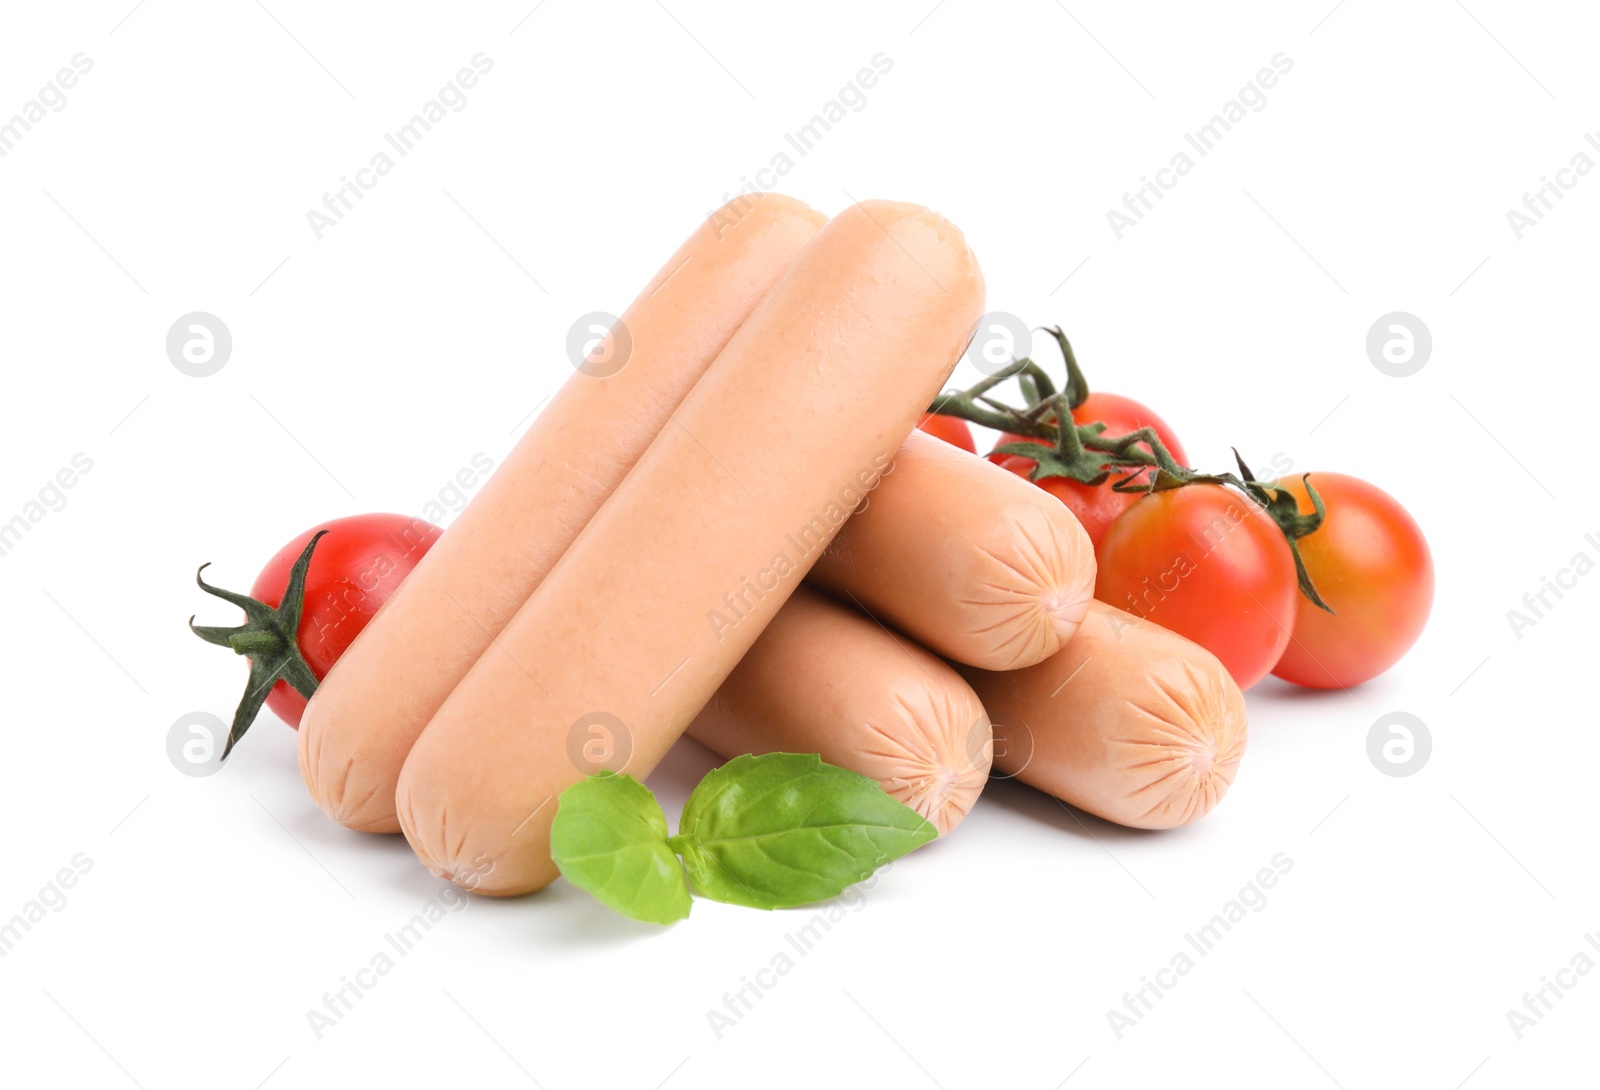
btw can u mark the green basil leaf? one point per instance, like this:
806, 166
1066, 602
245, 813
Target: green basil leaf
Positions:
784, 829
610, 838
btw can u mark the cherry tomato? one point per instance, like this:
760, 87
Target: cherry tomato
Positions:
952, 429
1206, 562
1096, 506
1370, 563
353, 571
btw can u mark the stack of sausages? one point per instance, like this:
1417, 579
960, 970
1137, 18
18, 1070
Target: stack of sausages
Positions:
739, 535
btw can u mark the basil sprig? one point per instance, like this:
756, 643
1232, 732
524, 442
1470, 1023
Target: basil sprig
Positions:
775, 831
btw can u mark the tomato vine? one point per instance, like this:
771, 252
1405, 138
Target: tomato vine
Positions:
1085, 452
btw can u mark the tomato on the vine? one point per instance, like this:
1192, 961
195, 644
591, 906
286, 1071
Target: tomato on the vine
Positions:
952, 429
1096, 506
1206, 562
1122, 415
1119, 414
1371, 564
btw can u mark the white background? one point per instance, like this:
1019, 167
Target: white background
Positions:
369, 366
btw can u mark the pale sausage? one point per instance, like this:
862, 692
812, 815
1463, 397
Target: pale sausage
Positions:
675, 577
1130, 722
825, 679
374, 703
973, 562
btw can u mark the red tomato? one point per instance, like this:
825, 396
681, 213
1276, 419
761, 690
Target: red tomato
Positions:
952, 429
1206, 562
1096, 506
353, 571
1370, 563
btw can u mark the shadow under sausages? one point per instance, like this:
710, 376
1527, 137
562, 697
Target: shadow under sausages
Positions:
1018, 798
561, 914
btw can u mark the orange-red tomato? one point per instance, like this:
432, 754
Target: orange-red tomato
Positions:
952, 429
1370, 563
1206, 562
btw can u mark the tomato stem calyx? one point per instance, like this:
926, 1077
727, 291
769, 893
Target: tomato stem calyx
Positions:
268, 638
1281, 507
